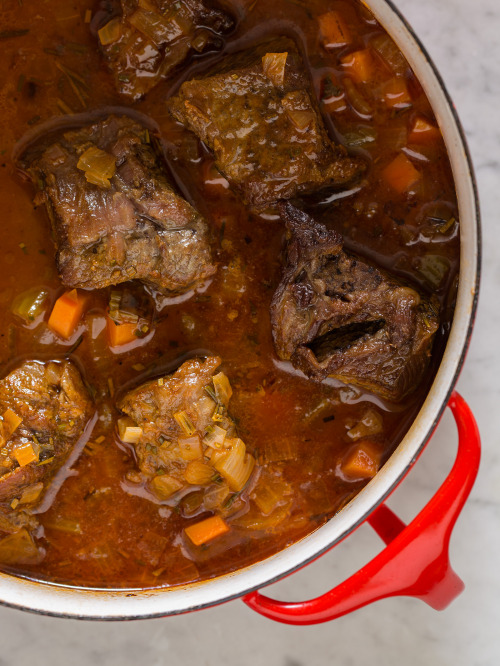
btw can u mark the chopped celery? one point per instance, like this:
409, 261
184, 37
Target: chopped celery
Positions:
30, 304
273, 65
185, 423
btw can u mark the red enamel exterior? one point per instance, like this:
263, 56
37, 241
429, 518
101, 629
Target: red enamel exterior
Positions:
415, 561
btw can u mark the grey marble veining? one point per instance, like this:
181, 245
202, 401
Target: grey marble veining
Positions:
462, 38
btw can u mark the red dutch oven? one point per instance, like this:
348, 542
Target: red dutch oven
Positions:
415, 560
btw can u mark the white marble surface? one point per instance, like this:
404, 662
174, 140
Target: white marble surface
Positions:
462, 37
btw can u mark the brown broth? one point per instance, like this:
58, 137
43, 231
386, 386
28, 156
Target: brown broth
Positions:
117, 537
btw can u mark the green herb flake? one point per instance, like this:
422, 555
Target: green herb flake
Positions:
8, 34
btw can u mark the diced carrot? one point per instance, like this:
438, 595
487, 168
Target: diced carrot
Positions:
11, 421
120, 334
334, 31
396, 94
423, 132
362, 461
25, 454
66, 313
206, 530
359, 65
400, 174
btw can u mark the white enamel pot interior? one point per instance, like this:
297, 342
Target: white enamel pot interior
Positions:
133, 604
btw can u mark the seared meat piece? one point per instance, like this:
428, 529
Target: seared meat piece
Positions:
114, 213
257, 113
183, 437
143, 42
45, 408
334, 315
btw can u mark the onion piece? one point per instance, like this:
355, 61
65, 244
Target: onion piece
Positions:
198, 473
190, 447
128, 431
223, 390
110, 32
214, 436
164, 486
370, 424
235, 465
273, 65
98, 165
19, 548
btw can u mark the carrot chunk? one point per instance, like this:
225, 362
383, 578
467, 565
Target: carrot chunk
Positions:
333, 29
423, 132
66, 313
400, 174
359, 65
120, 334
362, 461
396, 94
206, 530
25, 454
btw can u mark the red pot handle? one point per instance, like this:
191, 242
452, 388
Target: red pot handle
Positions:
415, 562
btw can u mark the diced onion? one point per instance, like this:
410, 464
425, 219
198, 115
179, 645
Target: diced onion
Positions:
110, 32
198, 473
358, 102
390, 53
273, 65
98, 165
269, 494
214, 497
214, 436
164, 485
236, 465
223, 390
190, 447
19, 548
301, 119
128, 431
371, 424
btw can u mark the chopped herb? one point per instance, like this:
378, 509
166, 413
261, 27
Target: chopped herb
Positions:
23, 248
211, 392
327, 419
124, 78
34, 120
7, 34
222, 230
75, 345
46, 461
330, 89
77, 48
